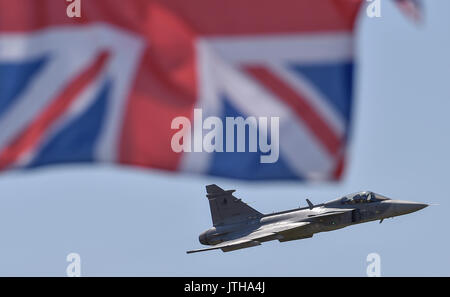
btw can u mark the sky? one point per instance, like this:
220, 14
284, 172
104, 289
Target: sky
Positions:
125, 221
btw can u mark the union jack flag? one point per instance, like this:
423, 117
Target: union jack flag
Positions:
105, 87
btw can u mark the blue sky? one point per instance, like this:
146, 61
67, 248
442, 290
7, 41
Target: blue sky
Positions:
129, 221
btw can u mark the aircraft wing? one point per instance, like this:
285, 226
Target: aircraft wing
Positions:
264, 233
230, 245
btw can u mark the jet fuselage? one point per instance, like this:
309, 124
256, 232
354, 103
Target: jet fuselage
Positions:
354, 214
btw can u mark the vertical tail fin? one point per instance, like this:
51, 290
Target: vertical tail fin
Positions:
227, 209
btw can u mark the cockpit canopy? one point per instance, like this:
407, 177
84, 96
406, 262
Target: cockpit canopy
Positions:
362, 197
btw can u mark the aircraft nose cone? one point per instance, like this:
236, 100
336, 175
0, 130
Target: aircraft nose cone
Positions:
405, 207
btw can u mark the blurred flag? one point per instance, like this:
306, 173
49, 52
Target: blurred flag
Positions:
106, 86
411, 8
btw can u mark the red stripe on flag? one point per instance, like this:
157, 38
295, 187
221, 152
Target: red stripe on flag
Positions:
250, 17
208, 17
165, 88
30, 15
339, 168
313, 121
26, 140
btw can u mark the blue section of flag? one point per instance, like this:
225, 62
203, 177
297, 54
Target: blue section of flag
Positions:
76, 141
14, 78
334, 81
246, 165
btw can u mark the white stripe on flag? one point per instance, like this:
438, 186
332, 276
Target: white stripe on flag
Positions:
299, 48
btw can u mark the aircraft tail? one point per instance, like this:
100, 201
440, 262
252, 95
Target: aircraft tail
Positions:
227, 209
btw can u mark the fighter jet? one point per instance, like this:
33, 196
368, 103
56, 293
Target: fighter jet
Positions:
237, 225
